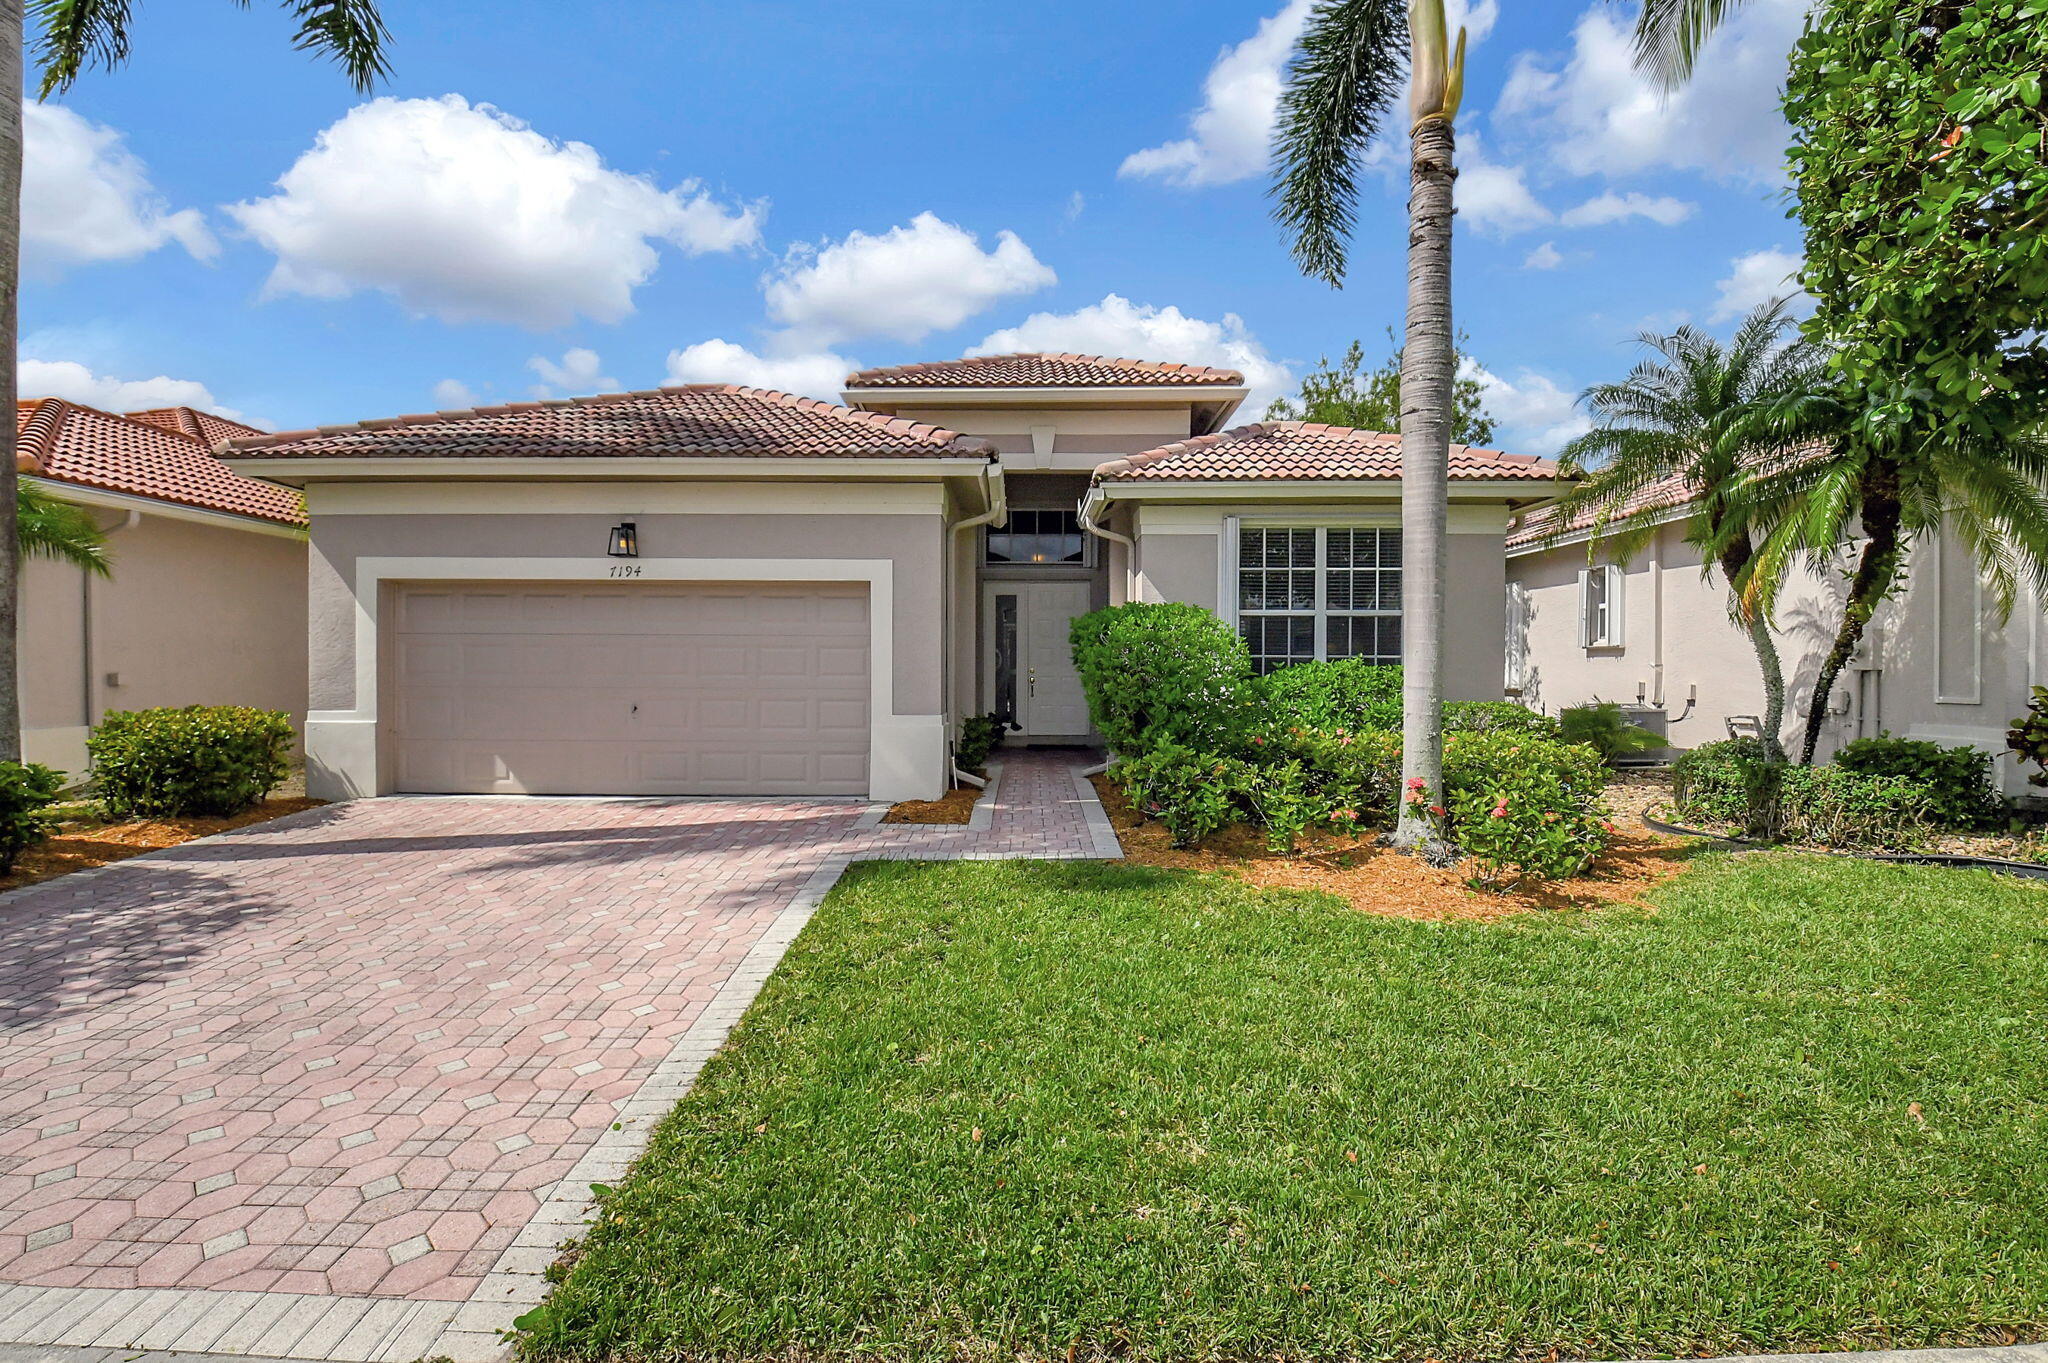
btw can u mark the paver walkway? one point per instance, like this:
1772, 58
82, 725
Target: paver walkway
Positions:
351, 1053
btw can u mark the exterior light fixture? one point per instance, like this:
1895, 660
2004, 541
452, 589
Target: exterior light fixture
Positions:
625, 540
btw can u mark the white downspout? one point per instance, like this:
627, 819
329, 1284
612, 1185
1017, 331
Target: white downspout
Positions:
1089, 508
86, 660
998, 514
1657, 617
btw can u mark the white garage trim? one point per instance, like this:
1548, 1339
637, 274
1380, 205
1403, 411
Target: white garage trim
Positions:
907, 756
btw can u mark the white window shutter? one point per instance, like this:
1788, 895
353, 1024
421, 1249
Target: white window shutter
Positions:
1588, 626
1611, 633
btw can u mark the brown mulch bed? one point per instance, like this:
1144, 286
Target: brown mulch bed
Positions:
1375, 879
956, 806
83, 843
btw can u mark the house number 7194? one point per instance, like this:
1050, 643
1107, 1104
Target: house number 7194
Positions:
625, 570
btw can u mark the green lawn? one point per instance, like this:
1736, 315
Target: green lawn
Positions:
992, 1110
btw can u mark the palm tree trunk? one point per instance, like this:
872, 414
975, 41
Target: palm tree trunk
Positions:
1427, 358
10, 285
1733, 560
1876, 572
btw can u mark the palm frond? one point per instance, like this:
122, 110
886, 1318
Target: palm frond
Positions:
1670, 33
1344, 77
74, 34
352, 32
45, 527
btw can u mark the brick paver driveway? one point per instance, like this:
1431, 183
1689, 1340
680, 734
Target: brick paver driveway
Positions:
349, 1053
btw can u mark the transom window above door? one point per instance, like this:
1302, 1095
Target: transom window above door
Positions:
1308, 594
1038, 537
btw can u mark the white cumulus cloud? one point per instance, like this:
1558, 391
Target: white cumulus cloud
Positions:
1534, 414
1494, 198
74, 382
1117, 326
578, 372
464, 213
1610, 207
817, 374
86, 198
1544, 257
1229, 135
904, 283
1597, 116
1758, 277
453, 395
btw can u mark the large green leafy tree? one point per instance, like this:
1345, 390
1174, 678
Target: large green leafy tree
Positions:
72, 35
1683, 414
1342, 82
1348, 394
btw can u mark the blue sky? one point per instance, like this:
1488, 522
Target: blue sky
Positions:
768, 192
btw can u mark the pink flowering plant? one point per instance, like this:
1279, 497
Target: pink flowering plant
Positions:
1525, 809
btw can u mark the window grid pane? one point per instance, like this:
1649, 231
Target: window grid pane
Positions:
1037, 536
1306, 594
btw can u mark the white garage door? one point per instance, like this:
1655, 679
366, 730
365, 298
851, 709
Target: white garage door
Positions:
631, 689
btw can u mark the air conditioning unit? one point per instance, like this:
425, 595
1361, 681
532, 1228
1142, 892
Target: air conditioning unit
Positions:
1657, 720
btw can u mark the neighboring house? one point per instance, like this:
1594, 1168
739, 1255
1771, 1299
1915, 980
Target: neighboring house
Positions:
1936, 662
207, 601
719, 590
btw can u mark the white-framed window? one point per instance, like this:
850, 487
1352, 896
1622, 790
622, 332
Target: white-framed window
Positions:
1600, 606
1310, 593
1037, 537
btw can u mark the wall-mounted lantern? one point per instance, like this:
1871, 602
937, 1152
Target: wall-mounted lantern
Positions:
625, 540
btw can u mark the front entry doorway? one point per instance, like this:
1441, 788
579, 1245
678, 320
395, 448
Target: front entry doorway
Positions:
1027, 659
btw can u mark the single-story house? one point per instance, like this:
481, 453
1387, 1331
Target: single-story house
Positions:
207, 602
718, 590
1936, 662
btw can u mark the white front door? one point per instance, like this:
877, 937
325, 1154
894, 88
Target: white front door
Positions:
1028, 660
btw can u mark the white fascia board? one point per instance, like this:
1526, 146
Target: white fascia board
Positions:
1159, 395
1270, 489
299, 472
156, 506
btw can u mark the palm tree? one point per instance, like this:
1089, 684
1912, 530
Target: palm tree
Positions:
75, 34
1339, 88
1896, 491
47, 528
1679, 418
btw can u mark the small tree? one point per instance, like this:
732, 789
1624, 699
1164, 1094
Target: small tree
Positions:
1345, 394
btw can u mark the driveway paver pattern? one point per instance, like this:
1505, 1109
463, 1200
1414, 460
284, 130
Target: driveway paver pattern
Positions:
350, 1052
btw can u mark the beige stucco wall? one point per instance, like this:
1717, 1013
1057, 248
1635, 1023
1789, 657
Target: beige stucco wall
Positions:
1937, 663
905, 530
1181, 549
195, 614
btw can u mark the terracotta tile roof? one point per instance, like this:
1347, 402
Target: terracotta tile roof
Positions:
692, 420
1306, 451
67, 443
1041, 370
1532, 526
205, 427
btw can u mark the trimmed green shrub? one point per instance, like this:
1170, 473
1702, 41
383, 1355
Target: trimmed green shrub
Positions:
1834, 807
1164, 673
1348, 694
979, 735
1710, 783
1311, 779
1498, 716
1193, 793
1602, 726
200, 760
27, 790
1957, 780
1524, 808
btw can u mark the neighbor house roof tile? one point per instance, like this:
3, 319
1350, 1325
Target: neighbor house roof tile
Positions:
1298, 450
1042, 370
205, 427
703, 420
1535, 526
67, 443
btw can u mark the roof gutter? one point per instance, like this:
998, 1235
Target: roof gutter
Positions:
1094, 504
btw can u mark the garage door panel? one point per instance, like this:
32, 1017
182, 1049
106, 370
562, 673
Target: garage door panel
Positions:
632, 689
